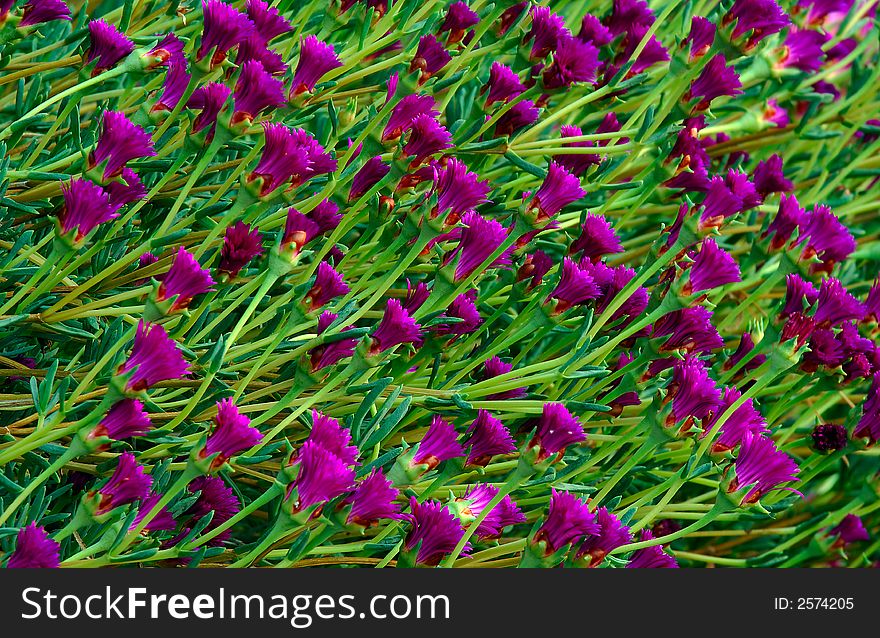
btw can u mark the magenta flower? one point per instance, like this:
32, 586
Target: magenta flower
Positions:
506, 513
320, 161
298, 230
372, 500
503, 84
577, 164
789, 218
330, 353
316, 59
775, 114
328, 285
495, 367
185, 279
701, 37
34, 548
459, 18
511, 15
405, 111
431, 56
519, 116
743, 350
107, 44
573, 61
426, 137
715, 80
173, 86
745, 419
328, 433
611, 535
556, 430
131, 189
459, 191
850, 530
594, 32
760, 17
559, 189
256, 91
119, 143
872, 303
799, 295
224, 27
128, 483
214, 496
627, 14
416, 296
154, 357
268, 22
720, 203
575, 287
826, 238
241, 244
770, 178
802, 50
462, 307
762, 468
86, 205
488, 437
370, 174
653, 53
396, 327
326, 215
689, 329
835, 305
440, 443
534, 267
694, 393
124, 420
547, 29
283, 157
479, 239
232, 433
168, 51
255, 49
568, 521
652, 557
712, 268
210, 100
40, 11
596, 240
868, 426
322, 476
162, 521
434, 530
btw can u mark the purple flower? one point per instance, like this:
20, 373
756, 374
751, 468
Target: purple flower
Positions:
459, 191
396, 327
761, 467
232, 433
119, 143
716, 79
210, 100
559, 189
653, 53
503, 84
154, 358
434, 530
371, 173
849, 530
405, 111
872, 303
426, 137
241, 244
701, 36
282, 158
573, 61
775, 114
256, 91
745, 419
594, 32
510, 15
519, 116
770, 178
743, 350
829, 437
596, 240
505, 513
328, 285
761, 17
34, 548
627, 14
479, 239
534, 267
40, 11
168, 51
797, 291
826, 238
547, 29
575, 287
789, 217
464, 308
86, 205
431, 56
689, 329
255, 49
319, 160
372, 500
459, 18
720, 203
578, 163
316, 59
439, 444
214, 496
124, 420
162, 521
495, 367
127, 191
223, 28
568, 521
835, 305
694, 393
108, 45
652, 557
268, 22
488, 438
556, 430
322, 476
330, 435
174, 85
185, 279
868, 426
611, 535
128, 483
330, 353
298, 230
802, 50
712, 268
326, 215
